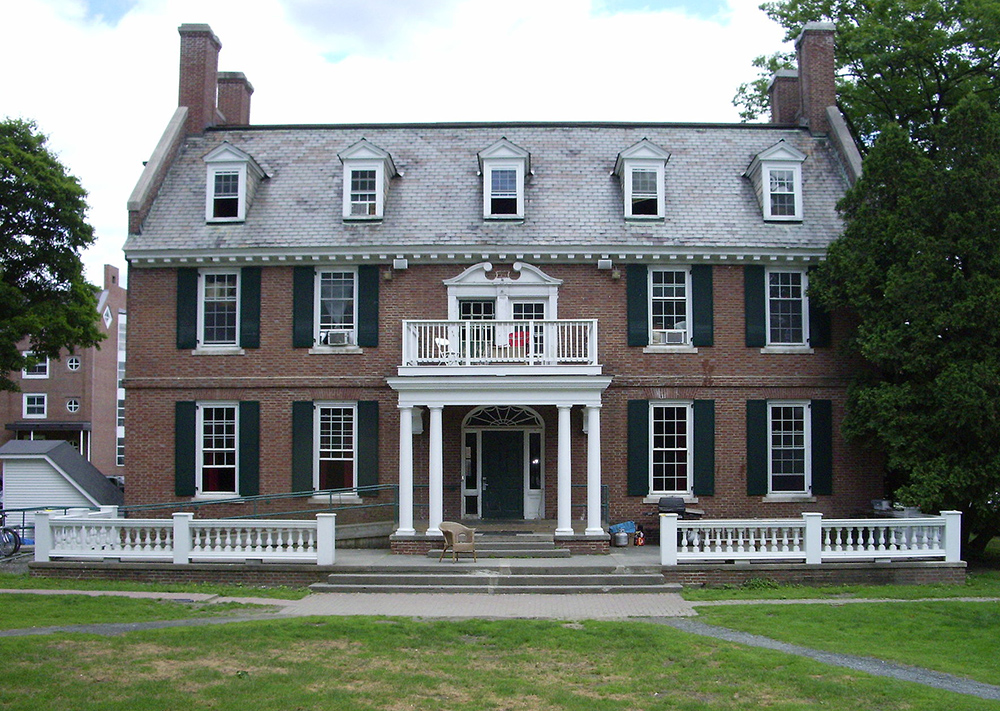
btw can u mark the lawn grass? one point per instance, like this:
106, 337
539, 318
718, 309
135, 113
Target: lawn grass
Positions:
949, 636
980, 583
21, 611
21, 581
364, 664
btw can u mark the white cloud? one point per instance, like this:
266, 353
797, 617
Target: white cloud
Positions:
104, 92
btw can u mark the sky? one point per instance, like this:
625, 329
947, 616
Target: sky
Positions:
99, 77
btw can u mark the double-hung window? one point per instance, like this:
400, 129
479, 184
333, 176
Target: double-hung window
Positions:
367, 172
364, 196
776, 175
35, 405
232, 177
335, 451
38, 371
504, 166
226, 194
782, 192
788, 448
503, 192
669, 306
645, 193
336, 307
641, 168
217, 448
670, 451
219, 309
217, 463
787, 308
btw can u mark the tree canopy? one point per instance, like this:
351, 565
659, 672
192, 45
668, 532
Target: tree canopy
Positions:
44, 297
919, 265
908, 62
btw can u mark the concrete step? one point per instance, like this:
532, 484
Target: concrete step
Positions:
520, 552
466, 579
497, 589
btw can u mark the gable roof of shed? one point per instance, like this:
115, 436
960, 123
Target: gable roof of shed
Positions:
70, 464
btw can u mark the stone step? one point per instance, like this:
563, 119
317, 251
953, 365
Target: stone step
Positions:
492, 578
520, 552
499, 545
496, 589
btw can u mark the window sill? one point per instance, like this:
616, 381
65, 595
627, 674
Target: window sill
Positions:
336, 498
224, 220
215, 496
362, 218
789, 499
790, 218
218, 351
504, 218
644, 218
330, 350
670, 349
788, 349
655, 498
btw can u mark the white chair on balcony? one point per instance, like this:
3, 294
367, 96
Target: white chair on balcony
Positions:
444, 352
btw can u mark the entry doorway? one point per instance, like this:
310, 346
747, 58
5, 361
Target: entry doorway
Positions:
502, 468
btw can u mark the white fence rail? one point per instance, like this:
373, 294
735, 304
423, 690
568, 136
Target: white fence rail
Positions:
811, 539
182, 539
537, 342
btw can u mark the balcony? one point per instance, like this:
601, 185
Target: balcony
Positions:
563, 347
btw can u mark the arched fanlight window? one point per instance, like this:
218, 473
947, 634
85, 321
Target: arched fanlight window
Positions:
503, 416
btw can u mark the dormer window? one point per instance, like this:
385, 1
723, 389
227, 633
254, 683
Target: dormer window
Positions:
776, 175
232, 180
367, 172
503, 167
641, 169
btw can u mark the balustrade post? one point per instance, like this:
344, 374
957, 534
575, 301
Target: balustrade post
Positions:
43, 536
182, 538
952, 536
813, 537
326, 538
668, 538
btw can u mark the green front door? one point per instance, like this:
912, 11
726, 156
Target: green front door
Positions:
503, 473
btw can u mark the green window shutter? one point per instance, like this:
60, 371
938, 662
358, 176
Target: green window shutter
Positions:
754, 294
368, 277
757, 447
303, 307
637, 304
302, 445
638, 447
822, 446
187, 308
185, 420
704, 448
701, 305
249, 454
366, 432
819, 323
250, 307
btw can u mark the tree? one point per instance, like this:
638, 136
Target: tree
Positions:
43, 295
919, 265
908, 62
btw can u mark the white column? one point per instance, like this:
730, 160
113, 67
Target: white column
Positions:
326, 538
564, 525
435, 477
594, 471
668, 539
405, 472
952, 536
182, 538
813, 537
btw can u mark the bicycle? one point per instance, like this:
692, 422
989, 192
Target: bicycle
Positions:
10, 541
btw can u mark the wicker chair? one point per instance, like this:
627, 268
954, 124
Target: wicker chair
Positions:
461, 539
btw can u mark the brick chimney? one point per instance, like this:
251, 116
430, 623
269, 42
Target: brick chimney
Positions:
786, 103
817, 74
234, 98
199, 68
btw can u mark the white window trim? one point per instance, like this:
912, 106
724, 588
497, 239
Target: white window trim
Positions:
380, 188
796, 169
688, 493
686, 346
70, 361
489, 165
25, 375
650, 165
218, 348
795, 346
73, 401
347, 497
45, 406
778, 496
532, 285
241, 170
352, 337
200, 454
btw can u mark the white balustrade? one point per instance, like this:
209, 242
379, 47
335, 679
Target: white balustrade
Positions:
184, 539
530, 342
810, 539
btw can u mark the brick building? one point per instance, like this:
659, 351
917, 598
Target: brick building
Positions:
506, 321
78, 398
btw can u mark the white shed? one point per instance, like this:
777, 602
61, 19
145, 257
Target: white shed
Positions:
51, 474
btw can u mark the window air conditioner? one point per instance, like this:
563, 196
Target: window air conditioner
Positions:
669, 338
335, 338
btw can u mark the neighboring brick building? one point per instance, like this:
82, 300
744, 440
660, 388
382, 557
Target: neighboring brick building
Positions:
79, 397
499, 318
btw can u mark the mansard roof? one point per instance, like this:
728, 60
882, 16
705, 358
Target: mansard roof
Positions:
573, 200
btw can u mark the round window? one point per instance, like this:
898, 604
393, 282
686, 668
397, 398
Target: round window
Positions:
73, 363
73, 405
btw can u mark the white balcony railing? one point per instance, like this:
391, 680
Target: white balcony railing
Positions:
183, 539
470, 343
811, 539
